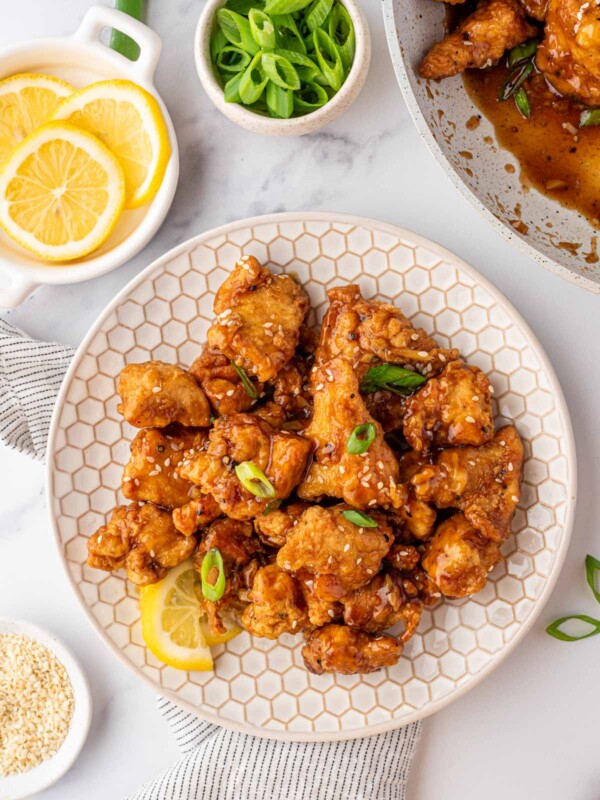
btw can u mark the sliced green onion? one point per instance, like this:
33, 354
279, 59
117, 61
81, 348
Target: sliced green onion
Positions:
253, 81
554, 628
288, 35
232, 59
515, 80
254, 480
317, 13
246, 382
361, 438
285, 6
310, 96
305, 67
328, 58
280, 102
279, 70
591, 116
213, 591
272, 505
120, 41
360, 519
237, 30
392, 378
592, 565
243, 6
262, 29
522, 103
217, 43
341, 30
522, 52
231, 90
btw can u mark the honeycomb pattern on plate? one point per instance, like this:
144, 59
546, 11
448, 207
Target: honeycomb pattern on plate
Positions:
260, 684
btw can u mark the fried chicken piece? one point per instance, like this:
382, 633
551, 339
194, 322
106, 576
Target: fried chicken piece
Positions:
388, 408
361, 480
142, 539
458, 558
276, 604
453, 409
415, 518
368, 332
151, 473
338, 554
222, 384
569, 55
291, 390
155, 394
320, 611
281, 455
482, 482
403, 557
535, 8
480, 40
349, 651
258, 318
380, 605
197, 514
272, 413
273, 528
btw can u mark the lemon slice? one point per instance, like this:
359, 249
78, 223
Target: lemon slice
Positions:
174, 624
130, 123
61, 192
26, 102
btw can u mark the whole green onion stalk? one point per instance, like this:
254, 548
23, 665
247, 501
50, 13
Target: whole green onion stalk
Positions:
120, 41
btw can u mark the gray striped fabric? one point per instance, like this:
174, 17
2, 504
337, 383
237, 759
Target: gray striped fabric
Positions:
216, 762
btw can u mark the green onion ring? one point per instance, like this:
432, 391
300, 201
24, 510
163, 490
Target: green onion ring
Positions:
217, 43
280, 102
522, 52
360, 519
592, 565
231, 90
230, 51
213, 591
317, 13
285, 6
254, 480
279, 70
521, 99
237, 30
272, 505
329, 59
554, 628
514, 81
591, 116
262, 29
310, 96
253, 81
361, 438
342, 32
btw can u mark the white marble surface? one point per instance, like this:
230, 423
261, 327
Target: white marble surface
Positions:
530, 730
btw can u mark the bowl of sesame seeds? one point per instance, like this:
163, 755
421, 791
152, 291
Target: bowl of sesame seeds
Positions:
45, 709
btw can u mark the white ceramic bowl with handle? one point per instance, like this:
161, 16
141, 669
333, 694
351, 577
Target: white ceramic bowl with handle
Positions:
82, 59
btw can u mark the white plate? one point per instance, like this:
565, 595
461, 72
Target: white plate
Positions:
261, 686
48, 772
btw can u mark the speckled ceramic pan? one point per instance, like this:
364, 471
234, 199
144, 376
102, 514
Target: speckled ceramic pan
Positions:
261, 686
560, 239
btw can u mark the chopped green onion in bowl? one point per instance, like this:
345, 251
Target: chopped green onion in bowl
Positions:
282, 58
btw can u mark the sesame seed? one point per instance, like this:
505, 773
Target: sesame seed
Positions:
492, 390
318, 387
150, 459
475, 398
152, 554
155, 389
503, 443
380, 485
342, 469
514, 498
229, 392
415, 337
422, 353
471, 463
470, 419
331, 612
167, 462
126, 479
510, 467
268, 325
442, 358
346, 548
295, 624
370, 571
358, 561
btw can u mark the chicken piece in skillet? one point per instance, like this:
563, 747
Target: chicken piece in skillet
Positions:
569, 55
273, 528
151, 473
143, 540
381, 604
480, 40
276, 604
223, 384
458, 558
241, 552
362, 480
259, 316
452, 409
155, 394
199, 512
482, 482
280, 455
349, 651
340, 555
368, 332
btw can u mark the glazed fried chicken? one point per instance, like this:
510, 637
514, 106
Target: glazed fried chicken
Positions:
338, 554
360, 480
155, 394
222, 384
320, 611
414, 517
280, 455
273, 528
380, 605
458, 558
151, 473
259, 316
480, 40
143, 540
482, 482
569, 55
453, 409
291, 390
276, 604
336, 648
536, 9
196, 514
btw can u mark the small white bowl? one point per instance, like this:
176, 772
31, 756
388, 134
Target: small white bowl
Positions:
296, 126
82, 59
26, 784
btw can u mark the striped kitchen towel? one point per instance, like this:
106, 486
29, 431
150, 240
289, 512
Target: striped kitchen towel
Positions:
216, 762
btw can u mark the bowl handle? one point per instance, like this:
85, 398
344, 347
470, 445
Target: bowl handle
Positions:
149, 42
14, 288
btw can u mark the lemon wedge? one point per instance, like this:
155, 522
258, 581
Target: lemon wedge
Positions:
61, 193
174, 624
26, 102
130, 123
